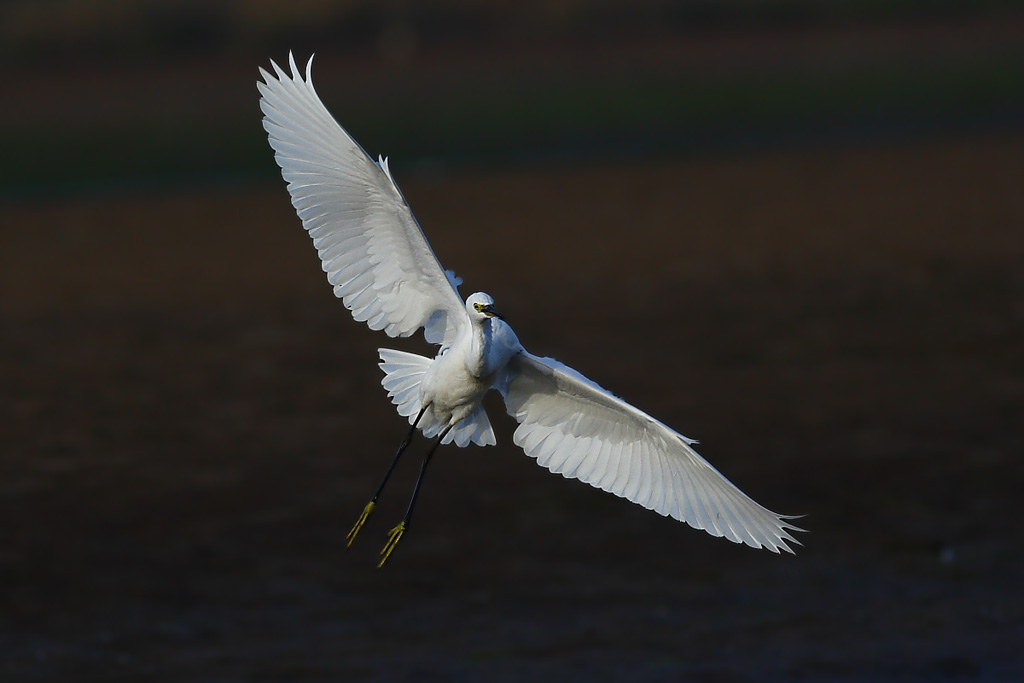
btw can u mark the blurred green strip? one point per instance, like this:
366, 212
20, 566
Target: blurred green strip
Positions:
502, 122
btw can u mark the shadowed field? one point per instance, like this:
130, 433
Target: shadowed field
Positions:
191, 423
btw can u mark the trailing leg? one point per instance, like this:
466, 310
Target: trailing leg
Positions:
395, 535
368, 510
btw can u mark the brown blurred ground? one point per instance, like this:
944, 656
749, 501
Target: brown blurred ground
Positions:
190, 424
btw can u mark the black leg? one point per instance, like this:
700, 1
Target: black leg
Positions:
401, 449
395, 534
368, 510
423, 470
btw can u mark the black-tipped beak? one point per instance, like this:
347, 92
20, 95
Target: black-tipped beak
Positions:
492, 312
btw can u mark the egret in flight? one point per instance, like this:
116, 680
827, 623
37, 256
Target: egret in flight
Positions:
384, 271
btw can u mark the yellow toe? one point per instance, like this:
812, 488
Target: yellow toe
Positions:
394, 536
367, 511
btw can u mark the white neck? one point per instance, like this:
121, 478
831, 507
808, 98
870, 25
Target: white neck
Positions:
480, 345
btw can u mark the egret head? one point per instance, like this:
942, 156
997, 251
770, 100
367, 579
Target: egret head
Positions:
480, 306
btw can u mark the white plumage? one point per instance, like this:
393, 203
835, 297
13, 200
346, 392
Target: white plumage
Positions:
371, 246
381, 266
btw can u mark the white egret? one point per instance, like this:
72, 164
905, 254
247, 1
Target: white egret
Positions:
381, 266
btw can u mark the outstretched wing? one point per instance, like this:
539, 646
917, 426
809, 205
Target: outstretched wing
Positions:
372, 248
575, 428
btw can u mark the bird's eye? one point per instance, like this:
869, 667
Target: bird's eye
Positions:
478, 307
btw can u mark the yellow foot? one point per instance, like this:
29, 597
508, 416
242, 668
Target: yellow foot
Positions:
394, 536
367, 511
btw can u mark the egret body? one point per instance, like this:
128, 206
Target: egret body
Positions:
384, 271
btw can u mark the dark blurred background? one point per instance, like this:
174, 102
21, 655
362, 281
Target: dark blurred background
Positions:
791, 229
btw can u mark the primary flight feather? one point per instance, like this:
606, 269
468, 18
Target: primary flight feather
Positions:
382, 268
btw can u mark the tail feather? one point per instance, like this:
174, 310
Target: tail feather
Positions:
403, 373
